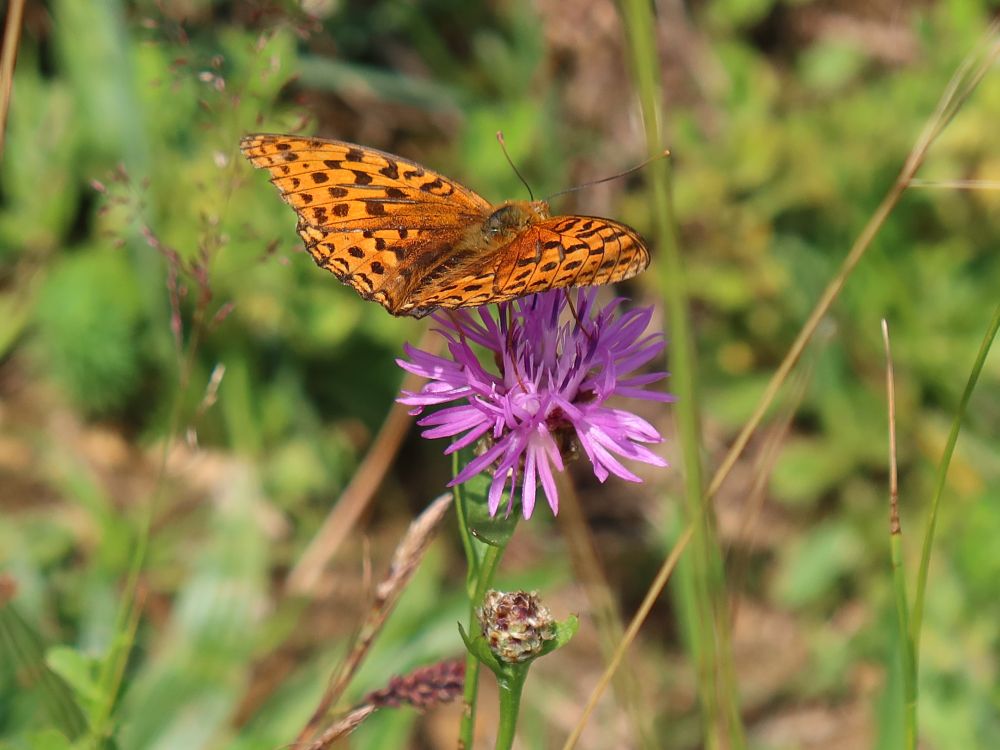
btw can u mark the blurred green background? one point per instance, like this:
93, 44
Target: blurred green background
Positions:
139, 253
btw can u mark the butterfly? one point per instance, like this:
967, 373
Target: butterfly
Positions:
415, 241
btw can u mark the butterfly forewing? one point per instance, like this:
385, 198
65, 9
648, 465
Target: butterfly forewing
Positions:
379, 222
334, 182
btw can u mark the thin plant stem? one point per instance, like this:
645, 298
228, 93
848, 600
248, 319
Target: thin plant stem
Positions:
702, 589
607, 620
8, 58
662, 576
917, 615
482, 560
963, 82
896, 553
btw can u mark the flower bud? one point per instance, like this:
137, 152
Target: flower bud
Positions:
516, 625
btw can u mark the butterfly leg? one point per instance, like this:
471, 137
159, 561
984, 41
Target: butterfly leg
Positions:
576, 315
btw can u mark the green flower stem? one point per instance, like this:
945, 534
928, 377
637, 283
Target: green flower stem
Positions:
908, 655
917, 616
484, 540
510, 685
488, 567
896, 555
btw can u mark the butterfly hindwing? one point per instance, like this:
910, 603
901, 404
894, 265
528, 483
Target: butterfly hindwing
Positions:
562, 251
569, 251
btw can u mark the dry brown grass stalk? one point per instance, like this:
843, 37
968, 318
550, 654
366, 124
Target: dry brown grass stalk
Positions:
357, 496
963, 83
405, 561
8, 58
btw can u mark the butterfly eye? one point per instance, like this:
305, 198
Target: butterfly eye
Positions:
501, 220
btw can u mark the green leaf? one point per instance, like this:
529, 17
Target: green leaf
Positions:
807, 469
478, 647
565, 630
88, 316
497, 530
22, 646
77, 669
813, 565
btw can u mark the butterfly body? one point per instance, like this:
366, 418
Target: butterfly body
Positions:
414, 241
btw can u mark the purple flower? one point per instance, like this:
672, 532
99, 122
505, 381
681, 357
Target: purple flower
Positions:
553, 375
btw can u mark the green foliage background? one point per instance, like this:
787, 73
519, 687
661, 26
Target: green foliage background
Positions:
122, 181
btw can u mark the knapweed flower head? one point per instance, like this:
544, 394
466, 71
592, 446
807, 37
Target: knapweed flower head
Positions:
555, 369
515, 624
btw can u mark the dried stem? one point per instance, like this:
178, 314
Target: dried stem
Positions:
342, 727
890, 389
357, 496
655, 589
604, 610
959, 88
8, 58
405, 561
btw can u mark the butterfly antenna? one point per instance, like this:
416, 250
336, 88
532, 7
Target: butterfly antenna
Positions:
503, 147
626, 173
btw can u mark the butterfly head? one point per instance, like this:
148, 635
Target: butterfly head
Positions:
511, 217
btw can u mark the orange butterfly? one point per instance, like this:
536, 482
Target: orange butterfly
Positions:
413, 240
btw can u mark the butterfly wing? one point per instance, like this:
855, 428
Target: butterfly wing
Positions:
563, 251
379, 222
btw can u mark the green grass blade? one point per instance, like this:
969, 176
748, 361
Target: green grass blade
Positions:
701, 579
916, 619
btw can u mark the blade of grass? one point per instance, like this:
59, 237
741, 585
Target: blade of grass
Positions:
896, 553
963, 82
702, 587
917, 615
